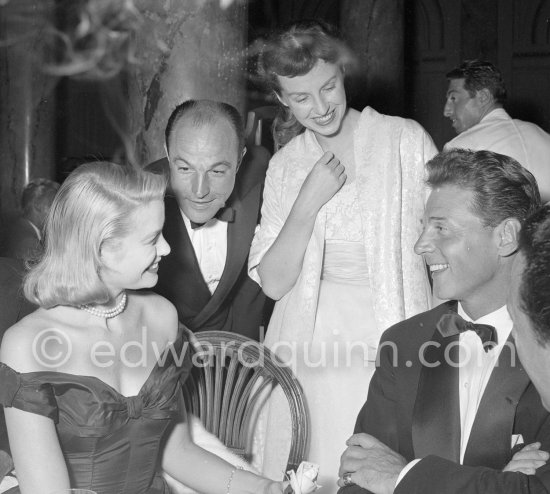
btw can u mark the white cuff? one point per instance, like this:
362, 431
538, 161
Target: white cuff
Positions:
7, 483
405, 470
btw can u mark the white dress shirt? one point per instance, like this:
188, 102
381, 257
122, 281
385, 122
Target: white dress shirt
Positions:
210, 245
474, 371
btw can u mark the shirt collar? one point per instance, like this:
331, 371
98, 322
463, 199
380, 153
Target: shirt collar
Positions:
495, 113
210, 223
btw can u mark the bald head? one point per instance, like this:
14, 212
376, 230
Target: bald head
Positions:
205, 145
205, 113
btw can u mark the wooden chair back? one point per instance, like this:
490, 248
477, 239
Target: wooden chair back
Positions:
232, 378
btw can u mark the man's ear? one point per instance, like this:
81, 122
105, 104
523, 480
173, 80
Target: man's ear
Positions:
508, 236
484, 96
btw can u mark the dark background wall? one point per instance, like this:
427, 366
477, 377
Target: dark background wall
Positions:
425, 39
513, 34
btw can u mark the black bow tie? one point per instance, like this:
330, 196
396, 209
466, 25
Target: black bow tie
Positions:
452, 324
224, 214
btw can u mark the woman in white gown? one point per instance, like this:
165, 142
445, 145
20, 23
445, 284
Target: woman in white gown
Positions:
342, 206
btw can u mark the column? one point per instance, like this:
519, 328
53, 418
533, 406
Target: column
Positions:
27, 116
194, 49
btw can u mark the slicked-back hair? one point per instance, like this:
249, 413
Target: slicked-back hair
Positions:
534, 289
206, 112
294, 51
501, 187
92, 208
480, 74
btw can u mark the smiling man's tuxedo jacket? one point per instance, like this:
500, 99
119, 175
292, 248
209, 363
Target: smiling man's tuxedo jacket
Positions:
238, 303
414, 409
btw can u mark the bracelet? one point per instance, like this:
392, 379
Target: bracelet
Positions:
228, 490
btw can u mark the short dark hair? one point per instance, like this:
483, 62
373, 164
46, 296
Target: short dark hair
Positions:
203, 112
480, 74
534, 290
502, 187
293, 51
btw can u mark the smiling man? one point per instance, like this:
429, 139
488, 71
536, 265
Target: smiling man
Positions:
474, 104
212, 211
449, 407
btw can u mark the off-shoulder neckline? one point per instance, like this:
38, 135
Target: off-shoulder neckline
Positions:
84, 377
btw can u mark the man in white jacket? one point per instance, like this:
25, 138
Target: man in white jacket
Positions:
475, 100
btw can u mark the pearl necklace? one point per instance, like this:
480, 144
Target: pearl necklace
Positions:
110, 313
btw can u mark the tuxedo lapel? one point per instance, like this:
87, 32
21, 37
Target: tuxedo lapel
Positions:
181, 266
239, 238
490, 440
436, 415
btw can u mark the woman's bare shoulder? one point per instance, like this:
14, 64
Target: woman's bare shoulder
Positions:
23, 340
158, 313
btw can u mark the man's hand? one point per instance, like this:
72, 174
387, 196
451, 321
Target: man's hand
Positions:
527, 460
372, 465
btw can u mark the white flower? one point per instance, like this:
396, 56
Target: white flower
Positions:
304, 480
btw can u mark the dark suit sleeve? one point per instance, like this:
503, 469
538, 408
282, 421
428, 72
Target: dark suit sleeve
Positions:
379, 417
386, 417
437, 475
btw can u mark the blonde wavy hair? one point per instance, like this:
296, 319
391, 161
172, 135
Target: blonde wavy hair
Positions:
92, 208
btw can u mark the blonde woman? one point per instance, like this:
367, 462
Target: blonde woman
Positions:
91, 381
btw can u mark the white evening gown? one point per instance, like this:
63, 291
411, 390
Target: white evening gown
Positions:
336, 366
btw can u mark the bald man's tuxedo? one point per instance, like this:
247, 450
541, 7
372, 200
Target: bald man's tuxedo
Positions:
238, 303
